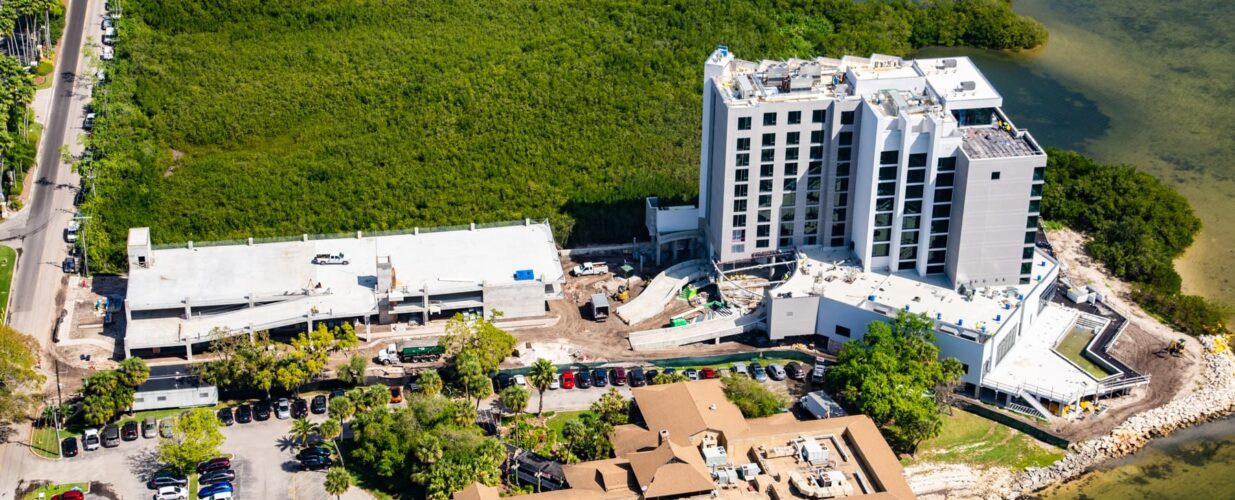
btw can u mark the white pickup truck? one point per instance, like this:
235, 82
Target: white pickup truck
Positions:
330, 258
590, 268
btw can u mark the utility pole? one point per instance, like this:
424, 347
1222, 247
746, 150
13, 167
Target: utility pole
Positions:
85, 246
56, 410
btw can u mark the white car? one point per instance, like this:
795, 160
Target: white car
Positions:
107, 53
555, 384
90, 439
283, 409
521, 380
171, 493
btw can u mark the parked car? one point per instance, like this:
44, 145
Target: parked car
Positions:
600, 377
300, 408
330, 258
670, 371
556, 383
318, 406
568, 379
218, 476
164, 478
171, 493
73, 494
794, 370
88, 123
707, 373
149, 428
519, 380
313, 451
502, 381
69, 266
261, 411
583, 379
776, 372
165, 427
68, 447
111, 436
129, 432
756, 372
691, 373
214, 464
618, 375
225, 415
316, 463
283, 409
651, 376
214, 489
90, 439
396, 394
244, 414
637, 378
225, 495
740, 369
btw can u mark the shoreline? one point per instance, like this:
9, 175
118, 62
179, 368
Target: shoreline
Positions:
1213, 399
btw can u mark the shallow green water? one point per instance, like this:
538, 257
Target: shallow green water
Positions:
1148, 83
1144, 82
1197, 463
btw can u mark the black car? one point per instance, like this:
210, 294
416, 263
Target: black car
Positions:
129, 432
166, 478
318, 406
316, 463
300, 408
244, 414
218, 476
583, 379
795, 371
502, 381
651, 376
68, 447
261, 411
600, 377
315, 451
69, 266
214, 464
225, 416
637, 377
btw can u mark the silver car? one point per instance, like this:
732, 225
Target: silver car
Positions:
283, 409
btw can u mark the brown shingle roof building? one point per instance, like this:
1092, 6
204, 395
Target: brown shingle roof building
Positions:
781, 457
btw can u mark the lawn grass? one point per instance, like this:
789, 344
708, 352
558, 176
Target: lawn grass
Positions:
559, 419
55, 489
8, 259
1073, 346
970, 439
44, 442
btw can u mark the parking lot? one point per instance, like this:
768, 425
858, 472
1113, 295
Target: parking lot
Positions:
263, 456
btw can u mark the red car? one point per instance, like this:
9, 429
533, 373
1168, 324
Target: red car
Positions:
707, 373
568, 379
70, 495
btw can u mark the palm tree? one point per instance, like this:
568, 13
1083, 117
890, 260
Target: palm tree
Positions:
302, 429
514, 398
541, 376
338, 481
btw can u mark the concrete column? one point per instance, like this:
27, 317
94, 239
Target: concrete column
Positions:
425, 300
308, 326
128, 318
188, 349
188, 310
250, 297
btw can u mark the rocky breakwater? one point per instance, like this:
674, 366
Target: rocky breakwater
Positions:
1213, 397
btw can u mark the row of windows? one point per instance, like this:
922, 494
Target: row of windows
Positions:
791, 118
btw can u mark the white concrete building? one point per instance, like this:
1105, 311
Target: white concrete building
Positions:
173, 386
177, 295
891, 185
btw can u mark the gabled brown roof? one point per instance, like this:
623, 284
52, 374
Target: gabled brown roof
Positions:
688, 408
631, 438
670, 469
477, 491
612, 478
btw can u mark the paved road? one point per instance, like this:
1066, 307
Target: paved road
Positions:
38, 274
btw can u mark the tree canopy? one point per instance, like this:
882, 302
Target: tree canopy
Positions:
195, 439
1138, 225
318, 117
110, 391
19, 379
890, 375
752, 398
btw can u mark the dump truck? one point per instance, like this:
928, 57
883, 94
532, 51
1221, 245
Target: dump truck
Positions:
589, 269
388, 355
420, 352
600, 307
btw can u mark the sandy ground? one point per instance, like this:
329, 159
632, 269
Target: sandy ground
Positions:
937, 481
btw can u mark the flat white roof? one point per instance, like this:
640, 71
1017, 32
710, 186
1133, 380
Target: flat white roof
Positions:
1034, 364
283, 275
139, 236
679, 218
951, 79
834, 275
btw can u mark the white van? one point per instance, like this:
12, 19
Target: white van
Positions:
90, 439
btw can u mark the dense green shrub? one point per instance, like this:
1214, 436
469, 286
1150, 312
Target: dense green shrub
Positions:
342, 115
1138, 226
753, 398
